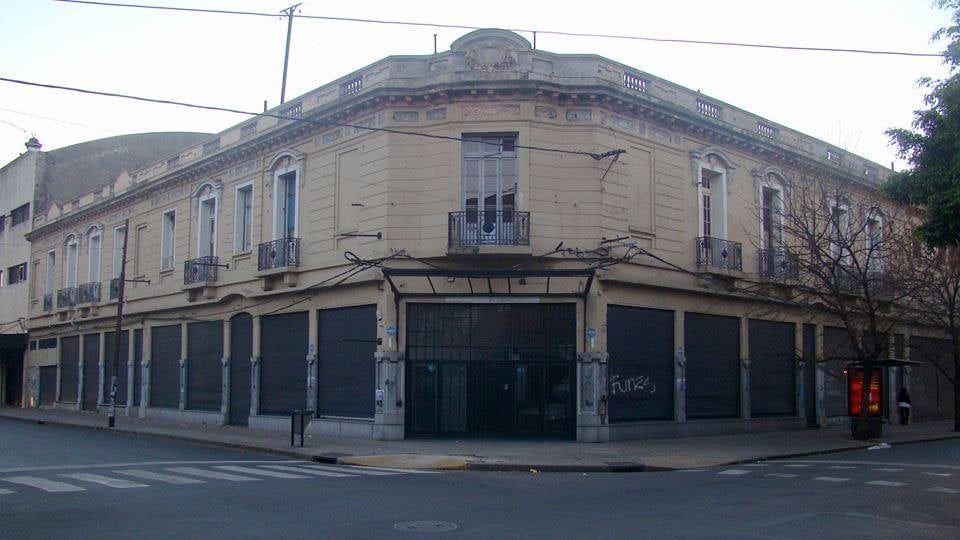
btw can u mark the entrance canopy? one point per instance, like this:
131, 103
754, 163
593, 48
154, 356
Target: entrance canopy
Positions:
440, 282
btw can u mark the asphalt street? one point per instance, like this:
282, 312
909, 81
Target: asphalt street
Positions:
62, 482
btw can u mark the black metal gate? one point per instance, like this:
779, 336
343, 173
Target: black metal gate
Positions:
137, 365
91, 371
48, 385
165, 366
69, 368
810, 374
204, 374
241, 350
491, 370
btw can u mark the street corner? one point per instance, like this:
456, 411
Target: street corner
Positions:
408, 461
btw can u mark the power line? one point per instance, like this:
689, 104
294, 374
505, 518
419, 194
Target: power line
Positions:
525, 30
52, 119
325, 123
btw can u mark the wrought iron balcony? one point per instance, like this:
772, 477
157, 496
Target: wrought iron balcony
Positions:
67, 297
778, 264
114, 288
856, 282
89, 292
200, 270
48, 301
488, 228
718, 253
280, 253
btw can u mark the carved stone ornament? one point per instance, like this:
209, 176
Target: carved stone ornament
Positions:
491, 57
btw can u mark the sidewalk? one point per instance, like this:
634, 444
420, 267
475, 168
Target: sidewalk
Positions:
650, 454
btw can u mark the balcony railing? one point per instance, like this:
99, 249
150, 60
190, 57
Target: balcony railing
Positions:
67, 297
48, 301
89, 292
114, 288
200, 270
717, 253
778, 264
280, 253
853, 281
488, 228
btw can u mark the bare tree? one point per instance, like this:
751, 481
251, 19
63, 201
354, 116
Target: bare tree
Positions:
835, 250
935, 297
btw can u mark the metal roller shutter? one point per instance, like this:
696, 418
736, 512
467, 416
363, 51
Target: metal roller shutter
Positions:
69, 368
91, 371
241, 350
108, 348
773, 368
713, 365
283, 363
204, 373
346, 368
640, 371
48, 385
165, 366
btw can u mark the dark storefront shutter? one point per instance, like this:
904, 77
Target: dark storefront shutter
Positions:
640, 371
283, 363
241, 349
837, 353
931, 392
91, 371
69, 368
773, 371
48, 385
108, 348
204, 373
713, 366
165, 366
346, 368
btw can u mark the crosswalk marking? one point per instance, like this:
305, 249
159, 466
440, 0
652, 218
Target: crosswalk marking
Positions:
734, 472
261, 472
797, 465
936, 473
105, 480
388, 469
950, 491
689, 470
51, 486
6, 491
887, 469
168, 478
756, 464
886, 483
212, 474
353, 470
844, 467
831, 479
304, 470
782, 475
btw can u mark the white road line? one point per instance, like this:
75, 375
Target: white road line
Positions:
951, 491
797, 466
689, 470
261, 472
51, 486
756, 464
213, 474
168, 478
149, 464
352, 471
885, 483
6, 492
871, 463
942, 474
304, 470
843, 467
105, 480
831, 479
782, 475
734, 472
887, 469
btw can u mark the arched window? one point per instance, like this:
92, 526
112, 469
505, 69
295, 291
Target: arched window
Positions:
770, 197
71, 249
93, 241
207, 196
714, 172
286, 171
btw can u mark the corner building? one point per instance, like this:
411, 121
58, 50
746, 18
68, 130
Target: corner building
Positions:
455, 176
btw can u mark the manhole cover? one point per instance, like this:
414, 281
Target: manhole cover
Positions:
425, 526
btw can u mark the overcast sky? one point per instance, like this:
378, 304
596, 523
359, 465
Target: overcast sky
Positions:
236, 61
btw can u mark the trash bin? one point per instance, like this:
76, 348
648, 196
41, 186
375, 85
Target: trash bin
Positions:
299, 420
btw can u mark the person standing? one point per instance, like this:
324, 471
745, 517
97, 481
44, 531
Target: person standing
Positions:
903, 403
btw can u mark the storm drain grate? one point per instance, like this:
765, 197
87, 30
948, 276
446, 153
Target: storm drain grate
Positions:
425, 526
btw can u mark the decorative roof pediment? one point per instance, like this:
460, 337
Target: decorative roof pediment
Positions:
491, 49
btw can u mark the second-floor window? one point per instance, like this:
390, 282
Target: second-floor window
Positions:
840, 232
285, 205
167, 232
243, 224
874, 241
93, 256
118, 234
70, 267
51, 270
207, 226
489, 182
712, 204
17, 274
771, 213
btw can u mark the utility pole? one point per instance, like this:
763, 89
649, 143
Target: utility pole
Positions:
286, 53
112, 411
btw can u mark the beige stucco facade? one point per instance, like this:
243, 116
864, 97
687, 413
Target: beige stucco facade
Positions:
378, 159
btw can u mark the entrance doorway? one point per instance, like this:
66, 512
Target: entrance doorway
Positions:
491, 370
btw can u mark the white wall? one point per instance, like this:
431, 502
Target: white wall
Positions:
17, 181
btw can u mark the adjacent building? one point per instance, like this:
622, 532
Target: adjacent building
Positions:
491, 241
28, 186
